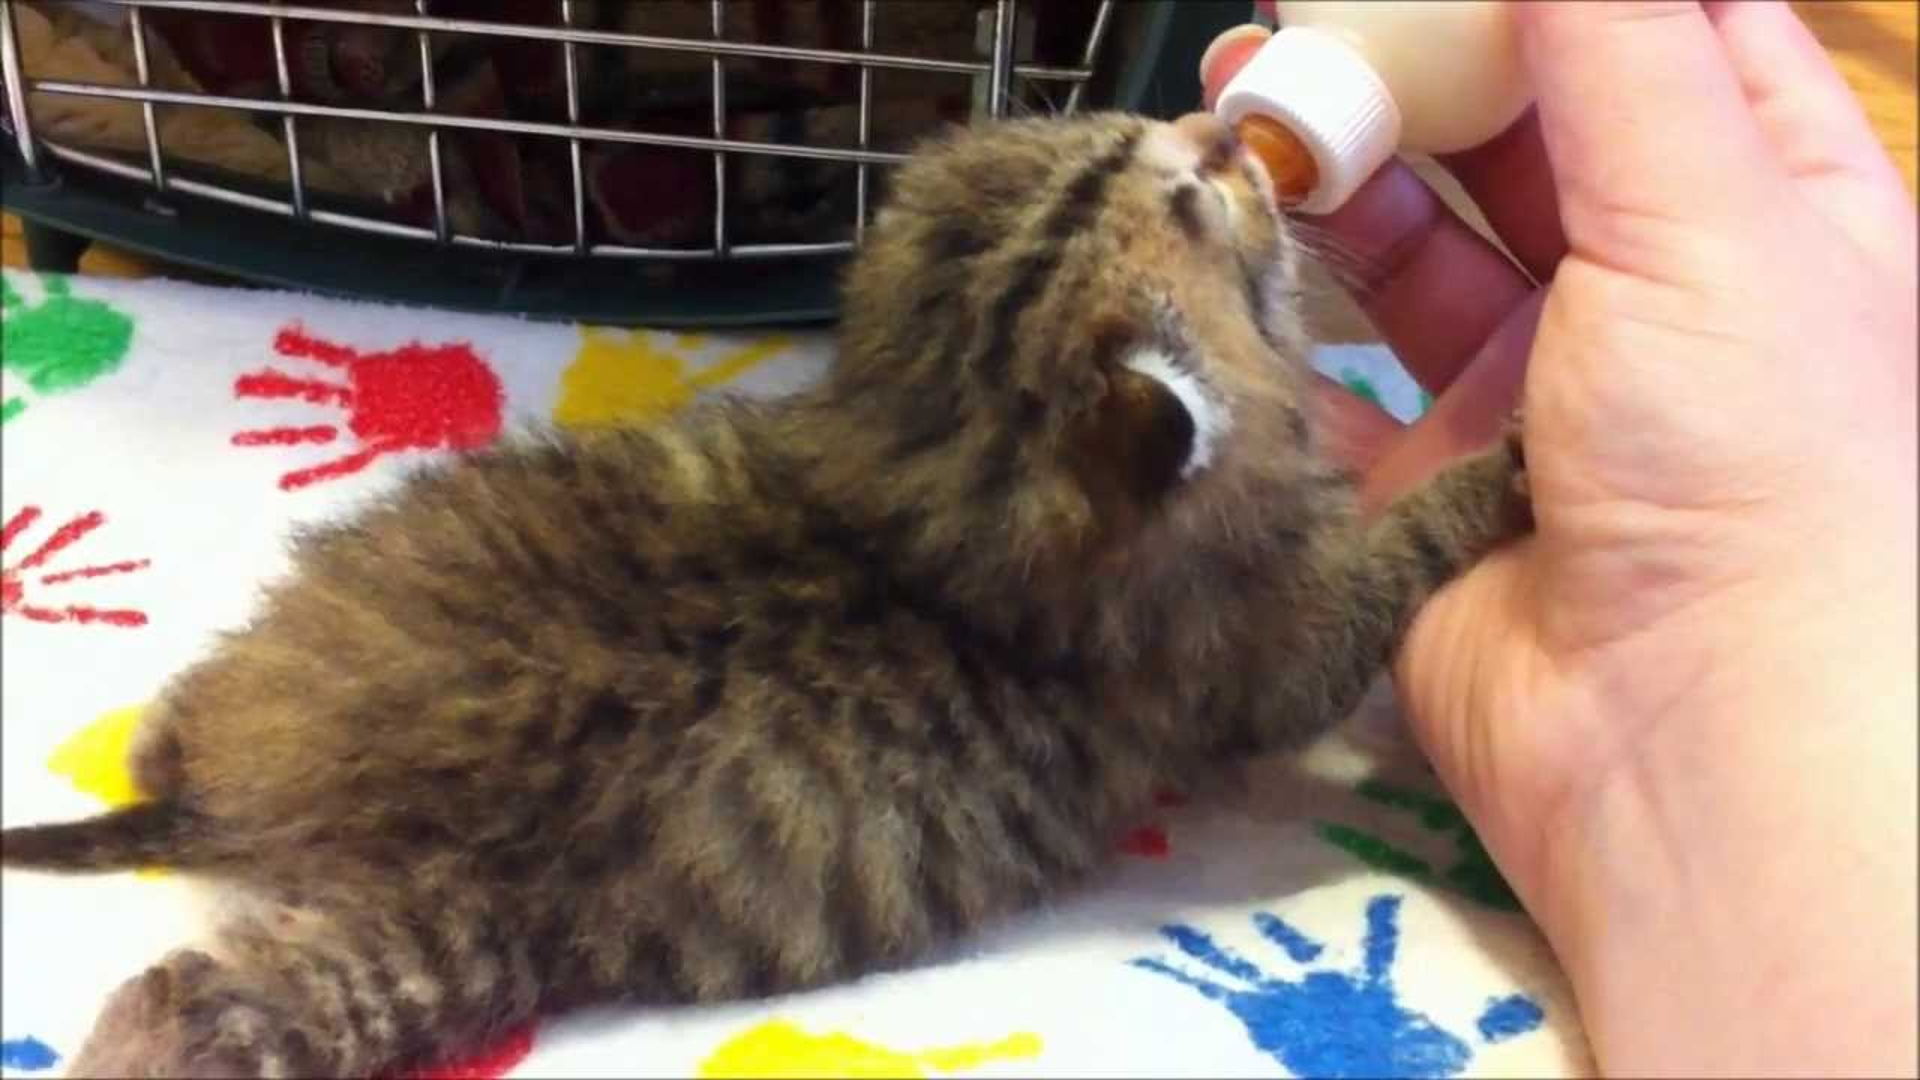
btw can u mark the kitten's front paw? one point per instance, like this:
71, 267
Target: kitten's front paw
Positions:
1512, 438
181, 1018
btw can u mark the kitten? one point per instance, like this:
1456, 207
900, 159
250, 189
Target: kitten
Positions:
779, 694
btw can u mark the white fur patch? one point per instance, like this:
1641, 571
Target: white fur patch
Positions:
1262, 179
1229, 204
1204, 407
1169, 151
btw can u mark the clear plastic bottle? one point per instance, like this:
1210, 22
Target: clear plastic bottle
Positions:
1345, 84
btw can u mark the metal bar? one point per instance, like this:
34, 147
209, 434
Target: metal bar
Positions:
176, 183
622, 251
287, 121
357, 223
104, 164
1101, 19
606, 37
783, 251
373, 225
1002, 61
719, 132
866, 122
16, 82
739, 251
578, 171
470, 123
441, 230
155, 161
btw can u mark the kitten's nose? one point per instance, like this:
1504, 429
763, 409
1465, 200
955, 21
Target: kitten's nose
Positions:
1211, 136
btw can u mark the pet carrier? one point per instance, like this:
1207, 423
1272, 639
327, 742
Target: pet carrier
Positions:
668, 162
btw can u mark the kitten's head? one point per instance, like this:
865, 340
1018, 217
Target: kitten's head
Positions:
1066, 330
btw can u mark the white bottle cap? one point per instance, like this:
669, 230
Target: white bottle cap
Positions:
1330, 98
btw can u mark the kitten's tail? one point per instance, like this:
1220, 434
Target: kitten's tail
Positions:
148, 834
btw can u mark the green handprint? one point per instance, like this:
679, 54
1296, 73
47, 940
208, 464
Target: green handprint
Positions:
1363, 387
61, 343
1472, 873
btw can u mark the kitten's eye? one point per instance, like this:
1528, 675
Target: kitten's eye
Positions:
1183, 203
1221, 195
1198, 221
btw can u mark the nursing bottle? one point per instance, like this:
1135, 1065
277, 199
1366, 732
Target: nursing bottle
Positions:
1345, 84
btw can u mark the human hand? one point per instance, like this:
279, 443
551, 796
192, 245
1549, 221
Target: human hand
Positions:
1680, 715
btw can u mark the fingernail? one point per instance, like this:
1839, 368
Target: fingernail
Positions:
1239, 40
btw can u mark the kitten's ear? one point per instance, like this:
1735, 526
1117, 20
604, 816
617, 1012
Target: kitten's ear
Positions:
1153, 428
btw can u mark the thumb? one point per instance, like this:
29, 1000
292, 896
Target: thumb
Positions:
1460, 675
1643, 118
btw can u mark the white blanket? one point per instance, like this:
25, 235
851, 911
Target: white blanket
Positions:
1331, 916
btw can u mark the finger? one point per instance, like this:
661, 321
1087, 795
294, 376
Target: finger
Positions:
1464, 419
1643, 120
1206, 987
1352, 430
1206, 950
1508, 178
1510, 181
1299, 947
1809, 116
1432, 286
1225, 56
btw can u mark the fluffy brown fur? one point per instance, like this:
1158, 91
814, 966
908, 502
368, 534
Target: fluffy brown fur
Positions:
776, 695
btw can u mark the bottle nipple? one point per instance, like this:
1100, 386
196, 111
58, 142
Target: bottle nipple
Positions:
1315, 113
1289, 163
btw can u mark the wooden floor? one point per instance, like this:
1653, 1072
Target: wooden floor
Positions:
1873, 42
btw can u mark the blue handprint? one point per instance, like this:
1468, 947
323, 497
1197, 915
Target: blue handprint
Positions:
1335, 1023
27, 1055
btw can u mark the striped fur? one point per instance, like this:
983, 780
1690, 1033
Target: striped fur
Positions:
776, 695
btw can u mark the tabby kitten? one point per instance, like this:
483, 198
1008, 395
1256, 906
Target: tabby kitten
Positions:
779, 694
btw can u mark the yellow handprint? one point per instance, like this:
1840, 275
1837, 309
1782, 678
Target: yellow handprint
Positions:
780, 1049
622, 377
95, 760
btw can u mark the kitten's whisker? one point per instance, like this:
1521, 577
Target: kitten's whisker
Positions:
1053, 107
1360, 276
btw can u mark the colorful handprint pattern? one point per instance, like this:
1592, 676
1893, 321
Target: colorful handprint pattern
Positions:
434, 394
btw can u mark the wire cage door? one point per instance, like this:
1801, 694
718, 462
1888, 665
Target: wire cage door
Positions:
666, 160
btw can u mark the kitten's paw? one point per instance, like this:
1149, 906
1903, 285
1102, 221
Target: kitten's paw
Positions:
131, 1036
1513, 438
185, 1018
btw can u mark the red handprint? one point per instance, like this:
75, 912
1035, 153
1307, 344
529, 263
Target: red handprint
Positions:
1150, 841
490, 1064
416, 397
13, 579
